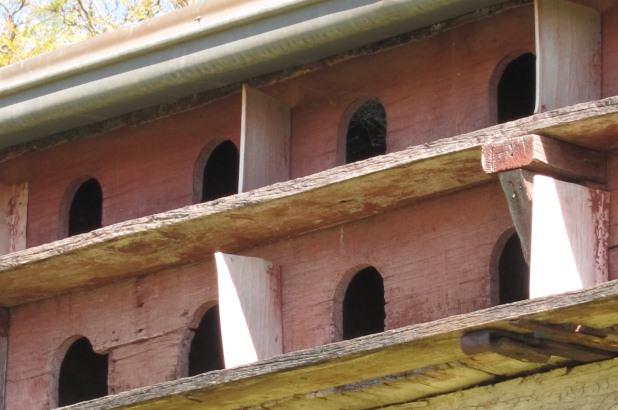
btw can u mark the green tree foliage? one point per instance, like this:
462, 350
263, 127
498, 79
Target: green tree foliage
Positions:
31, 27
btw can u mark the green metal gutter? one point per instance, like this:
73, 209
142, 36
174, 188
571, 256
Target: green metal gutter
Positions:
192, 50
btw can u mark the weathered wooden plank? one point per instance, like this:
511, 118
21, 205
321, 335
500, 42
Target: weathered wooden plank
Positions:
229, 224
546, 156
572, 334
13, 217
416, 349
328, 198
4, 333
249, 308
517, 186
264, 140
591, 386
376, 393
570, 226
568, 39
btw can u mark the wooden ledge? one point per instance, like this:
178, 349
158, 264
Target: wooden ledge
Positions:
287, 209
196, 232
397, 366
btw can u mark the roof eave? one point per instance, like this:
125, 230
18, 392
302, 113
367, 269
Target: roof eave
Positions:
200, 48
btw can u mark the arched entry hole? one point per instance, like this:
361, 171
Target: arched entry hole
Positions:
206, 351
363, 304
366, 135
513, 273
517, 89
86, 208
220, 175
83, 374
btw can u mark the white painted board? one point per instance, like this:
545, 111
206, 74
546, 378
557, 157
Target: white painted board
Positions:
570, 226
568, 43
265, 140
249, 308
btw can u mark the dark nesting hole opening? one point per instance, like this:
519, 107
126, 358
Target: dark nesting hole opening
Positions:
83, 374
366, 136
513, 271
86, 208
206, 351
363, 305
220, 176
517, 89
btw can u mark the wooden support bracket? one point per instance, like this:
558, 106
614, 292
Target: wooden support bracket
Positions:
533, 347
562, 226
571, 333
546, 156
517, 186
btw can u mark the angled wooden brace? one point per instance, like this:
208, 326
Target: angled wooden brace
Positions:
563, 226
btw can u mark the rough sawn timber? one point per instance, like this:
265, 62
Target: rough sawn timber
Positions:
517, 186
375, 370
286, 209
546, 156
592, 386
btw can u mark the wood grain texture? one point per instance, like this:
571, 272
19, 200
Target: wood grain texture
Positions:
192, 233
548, 157
517, 186
591, 386
425, 349
281, 210
249, 308
568, 39
570, 226
610, 45
145, 362
265, 133
13, 217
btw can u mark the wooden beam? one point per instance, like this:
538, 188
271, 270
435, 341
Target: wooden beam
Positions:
249, 309
546, 156
531, 347
590, 386
517, 187
570, 228
571, 333
13, 217
364, 368
265, 132
568, 37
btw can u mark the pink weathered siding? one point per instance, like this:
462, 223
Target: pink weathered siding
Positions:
434, 87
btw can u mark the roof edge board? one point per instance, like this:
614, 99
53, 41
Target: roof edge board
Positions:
133, 78
410, 348
182, 25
